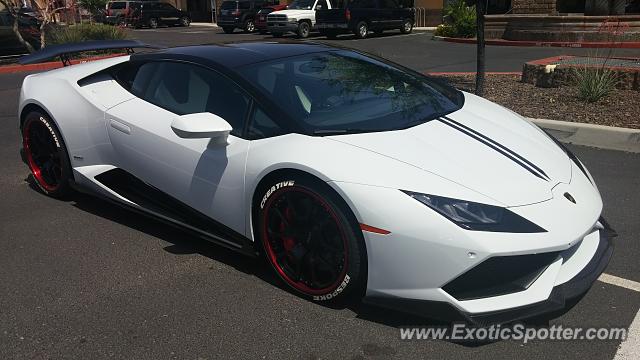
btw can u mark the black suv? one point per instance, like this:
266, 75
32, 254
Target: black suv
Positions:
361, 16
154, 14
241, 14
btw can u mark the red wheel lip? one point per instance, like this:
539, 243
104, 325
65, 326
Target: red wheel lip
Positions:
35, 169
272, 257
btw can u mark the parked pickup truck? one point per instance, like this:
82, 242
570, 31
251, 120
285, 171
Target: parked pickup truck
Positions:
362, 16
299, 17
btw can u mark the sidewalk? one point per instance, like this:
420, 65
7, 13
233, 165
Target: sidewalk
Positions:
583, 44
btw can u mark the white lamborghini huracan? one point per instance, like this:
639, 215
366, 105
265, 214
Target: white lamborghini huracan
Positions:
353, 176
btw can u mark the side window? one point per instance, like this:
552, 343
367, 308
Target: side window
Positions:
186, 89
388, 4
262, 126
322, 4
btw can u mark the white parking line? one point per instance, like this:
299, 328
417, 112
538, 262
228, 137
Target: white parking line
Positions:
630, 347
618, 281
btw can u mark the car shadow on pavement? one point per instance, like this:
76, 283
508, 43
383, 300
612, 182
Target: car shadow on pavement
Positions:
179, 244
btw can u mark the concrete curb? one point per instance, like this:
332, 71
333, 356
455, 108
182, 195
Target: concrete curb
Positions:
599, 136
585, 44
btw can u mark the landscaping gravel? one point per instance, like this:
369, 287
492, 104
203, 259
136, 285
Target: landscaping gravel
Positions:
620, 108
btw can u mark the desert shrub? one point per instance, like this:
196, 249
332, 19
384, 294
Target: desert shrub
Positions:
84, 32
594, 83
460, 20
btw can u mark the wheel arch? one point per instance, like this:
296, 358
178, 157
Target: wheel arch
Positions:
317, 178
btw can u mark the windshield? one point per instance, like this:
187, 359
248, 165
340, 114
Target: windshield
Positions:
301, 5
341, 92
229, 5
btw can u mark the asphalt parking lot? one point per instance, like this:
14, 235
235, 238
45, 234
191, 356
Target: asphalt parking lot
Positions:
416, 50
85, 279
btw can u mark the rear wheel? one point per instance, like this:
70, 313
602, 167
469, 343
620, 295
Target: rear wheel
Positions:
185, 21
361, 30
46, 155
310, 238
249, 26
153, 23
407, 27
228, 29
304, 29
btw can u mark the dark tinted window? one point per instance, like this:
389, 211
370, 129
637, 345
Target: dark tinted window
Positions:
187, 89
388, 4
117, 5
262, 126
342, 92
244, 5
229, 5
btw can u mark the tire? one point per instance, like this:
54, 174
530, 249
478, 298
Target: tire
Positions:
185, 21
46, 155
249, 26
361, 30
303, 29
228, 30
310, 237
407, 26
153, 23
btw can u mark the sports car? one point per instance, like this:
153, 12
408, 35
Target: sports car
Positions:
353, 176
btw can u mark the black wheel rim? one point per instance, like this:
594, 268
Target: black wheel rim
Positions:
305, 241
43, 155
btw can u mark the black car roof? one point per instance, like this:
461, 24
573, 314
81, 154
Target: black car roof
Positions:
237, 54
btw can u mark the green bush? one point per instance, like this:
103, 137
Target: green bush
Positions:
594, 83
84, 32
461, 20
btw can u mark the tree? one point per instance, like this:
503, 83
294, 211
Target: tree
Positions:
481, 7
93, 6
10, 6
48, 9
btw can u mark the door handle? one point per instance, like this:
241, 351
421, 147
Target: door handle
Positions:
120, 126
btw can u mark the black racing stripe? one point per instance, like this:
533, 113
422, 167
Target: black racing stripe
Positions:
499, 145
496, 148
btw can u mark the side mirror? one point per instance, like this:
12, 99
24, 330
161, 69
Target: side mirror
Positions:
202, 125
318, 7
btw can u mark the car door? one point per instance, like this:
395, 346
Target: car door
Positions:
388, 11
199, 173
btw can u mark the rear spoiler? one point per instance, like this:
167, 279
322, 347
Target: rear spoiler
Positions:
64, 51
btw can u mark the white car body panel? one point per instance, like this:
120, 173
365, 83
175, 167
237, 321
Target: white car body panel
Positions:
105, 127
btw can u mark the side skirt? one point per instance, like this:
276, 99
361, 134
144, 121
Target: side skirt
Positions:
159, 205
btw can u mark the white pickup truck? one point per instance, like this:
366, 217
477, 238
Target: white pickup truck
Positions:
299, 17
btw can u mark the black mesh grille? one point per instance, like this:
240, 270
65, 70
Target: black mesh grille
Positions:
500, 275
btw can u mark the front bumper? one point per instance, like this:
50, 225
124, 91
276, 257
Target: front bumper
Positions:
282, 27
561, 299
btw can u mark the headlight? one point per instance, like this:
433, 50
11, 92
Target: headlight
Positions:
292, 20
475, 216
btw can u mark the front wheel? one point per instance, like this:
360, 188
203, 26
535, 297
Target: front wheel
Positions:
303, 29
407, 27
185, 21
46, 155
361, 30
249, 26
310, 238
153, 23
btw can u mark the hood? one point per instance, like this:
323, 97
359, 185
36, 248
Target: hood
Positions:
294, 13
483, 147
